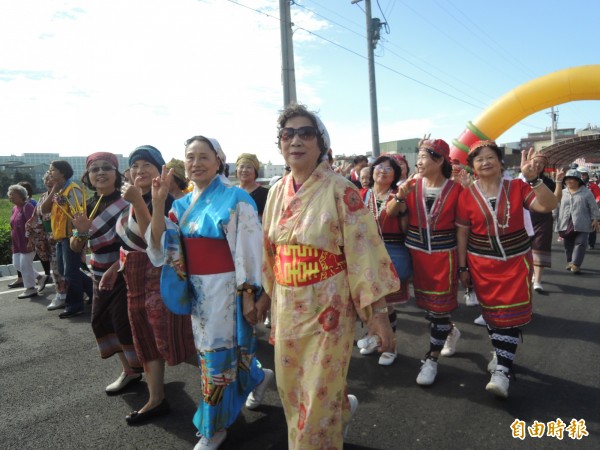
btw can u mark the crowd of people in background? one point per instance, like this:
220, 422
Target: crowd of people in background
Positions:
184, 265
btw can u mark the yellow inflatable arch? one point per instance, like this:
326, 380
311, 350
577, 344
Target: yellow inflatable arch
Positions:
567, 85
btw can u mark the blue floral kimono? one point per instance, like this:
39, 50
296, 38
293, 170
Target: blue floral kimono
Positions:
225, 341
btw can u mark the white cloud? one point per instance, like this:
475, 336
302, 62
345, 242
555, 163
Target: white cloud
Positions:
127, 73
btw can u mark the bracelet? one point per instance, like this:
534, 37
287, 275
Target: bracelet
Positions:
248, 290
382, 310
80, 236
400, 200
463, 269
538, 184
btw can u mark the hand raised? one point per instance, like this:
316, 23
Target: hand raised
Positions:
81, 222
132, 192
408, 186
160, 184
527, 168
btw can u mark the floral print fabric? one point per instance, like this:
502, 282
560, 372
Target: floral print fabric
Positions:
313, 326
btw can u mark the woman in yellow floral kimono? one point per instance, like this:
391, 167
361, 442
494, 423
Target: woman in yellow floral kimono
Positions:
324, 262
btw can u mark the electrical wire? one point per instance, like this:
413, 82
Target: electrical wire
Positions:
335, 13
484, 37
385, 21
450, 37
479, 107
330, 20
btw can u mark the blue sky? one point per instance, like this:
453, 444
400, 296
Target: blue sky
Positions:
84, 76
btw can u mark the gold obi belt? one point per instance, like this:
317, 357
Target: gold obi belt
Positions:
301, 265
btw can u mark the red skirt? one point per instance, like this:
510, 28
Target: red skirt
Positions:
435, 280
503, 289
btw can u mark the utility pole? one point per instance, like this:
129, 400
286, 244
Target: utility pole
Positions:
287, 54
372, 38
554, 117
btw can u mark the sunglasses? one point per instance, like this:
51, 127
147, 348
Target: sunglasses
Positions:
304, 133
102, 168
384, 169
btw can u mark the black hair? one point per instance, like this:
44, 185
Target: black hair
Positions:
477, 151
359, 159
297, 110
181, 184
27, 185
393, 164
85, 180
63, 167
446, 166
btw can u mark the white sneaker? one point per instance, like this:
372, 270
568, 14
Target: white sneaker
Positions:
470, 298
450, 344
353, 407
368, 344
122, 381
537, 287
498, 384
57, 302
213, 443
28, 293
42, 280
428, 372
480, 321
256, 396
493, 364
387, 358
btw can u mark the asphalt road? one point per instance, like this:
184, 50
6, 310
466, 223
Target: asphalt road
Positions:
52, 383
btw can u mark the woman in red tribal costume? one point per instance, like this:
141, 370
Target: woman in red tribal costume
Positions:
430, 200
385, 174
494, 250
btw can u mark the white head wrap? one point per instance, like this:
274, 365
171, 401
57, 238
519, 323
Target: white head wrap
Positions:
323, 132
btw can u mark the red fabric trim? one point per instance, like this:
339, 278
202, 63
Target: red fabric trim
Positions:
205, 256
301, 265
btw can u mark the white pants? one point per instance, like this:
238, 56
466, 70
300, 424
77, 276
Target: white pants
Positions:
23, 262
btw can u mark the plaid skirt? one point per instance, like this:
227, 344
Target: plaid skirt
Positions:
157, 333
110, 322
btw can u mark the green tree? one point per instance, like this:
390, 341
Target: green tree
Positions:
5, 182
23, 176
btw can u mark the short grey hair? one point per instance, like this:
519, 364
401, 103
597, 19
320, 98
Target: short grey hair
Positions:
20, 189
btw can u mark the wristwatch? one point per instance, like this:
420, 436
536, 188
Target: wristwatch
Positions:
248, 290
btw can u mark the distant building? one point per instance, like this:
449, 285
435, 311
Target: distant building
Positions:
407, 147
542, 139
37, 164
269, 170
35, 171
265, 173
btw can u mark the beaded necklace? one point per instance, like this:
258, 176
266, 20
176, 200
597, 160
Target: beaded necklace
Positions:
375, 209
496, 206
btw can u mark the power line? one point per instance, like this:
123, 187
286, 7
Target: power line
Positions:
389, 42
400, 57
335, 13
363, 57
389, 68
434, 76
391, 8
476, 56
385, 21
486, 37
330, 20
